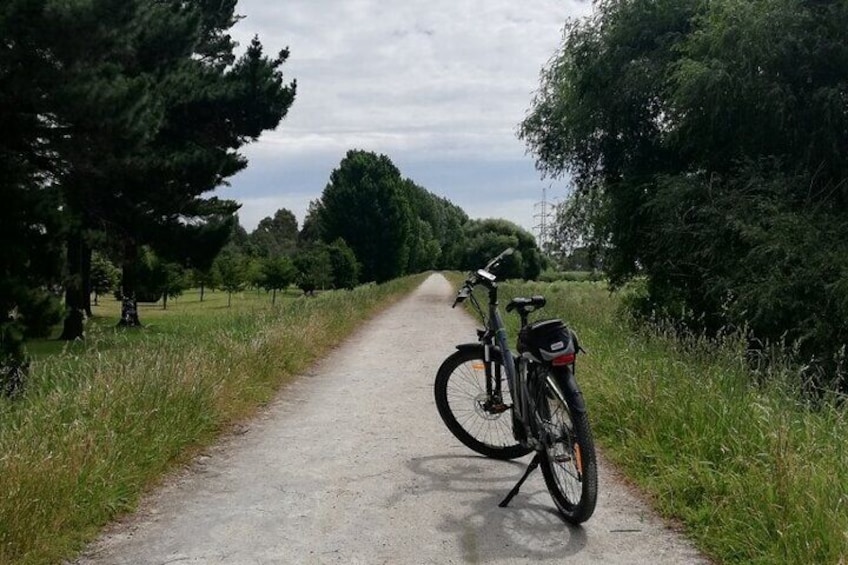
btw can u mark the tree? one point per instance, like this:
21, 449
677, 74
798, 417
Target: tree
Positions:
451, 235
180, 104
275, 236
104, 275
203, 279
424, 250
231, 273
364, 204
487, 238
157, 278
277, 274
314, 270
710, 160
343, 263
30, 224
310, 233
240, 240
197, 246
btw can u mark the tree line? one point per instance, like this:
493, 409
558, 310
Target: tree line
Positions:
708, 146
370, 224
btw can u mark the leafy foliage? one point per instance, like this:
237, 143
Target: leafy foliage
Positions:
315, 270
30, 253
104, 275
230, 272
275, 235
365, 205
132, 111
344, 265
277, 274
707, 143
487, 238
392, 225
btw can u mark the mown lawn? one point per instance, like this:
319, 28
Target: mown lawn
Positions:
183, 314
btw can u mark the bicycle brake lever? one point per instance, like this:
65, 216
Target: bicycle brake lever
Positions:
461, 295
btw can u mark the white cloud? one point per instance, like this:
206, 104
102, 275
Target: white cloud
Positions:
431, 82
253, 210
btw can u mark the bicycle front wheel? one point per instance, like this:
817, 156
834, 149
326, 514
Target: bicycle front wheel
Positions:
479, 414
569, 464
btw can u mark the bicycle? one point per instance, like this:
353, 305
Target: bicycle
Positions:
541, 407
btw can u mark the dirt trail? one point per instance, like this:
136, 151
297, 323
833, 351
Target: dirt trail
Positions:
353, 465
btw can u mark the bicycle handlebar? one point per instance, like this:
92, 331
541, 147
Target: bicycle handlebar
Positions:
496, 261
481, 275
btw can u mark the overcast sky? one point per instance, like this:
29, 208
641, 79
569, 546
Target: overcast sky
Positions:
439, 86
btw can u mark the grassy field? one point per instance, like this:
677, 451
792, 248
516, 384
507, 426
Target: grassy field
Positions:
752, 472
183, 314
103, 420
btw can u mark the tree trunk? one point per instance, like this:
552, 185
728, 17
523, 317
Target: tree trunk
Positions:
74, 289
274, 297
229, 299
86, 279
164, 301
129, 306
202, 288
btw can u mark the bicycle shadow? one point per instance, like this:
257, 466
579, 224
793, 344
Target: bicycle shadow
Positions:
529, 528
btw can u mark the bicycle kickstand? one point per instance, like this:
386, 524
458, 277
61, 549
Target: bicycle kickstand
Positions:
530, 468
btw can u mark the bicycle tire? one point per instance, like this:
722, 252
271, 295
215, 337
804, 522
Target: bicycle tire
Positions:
569, 463
461, 398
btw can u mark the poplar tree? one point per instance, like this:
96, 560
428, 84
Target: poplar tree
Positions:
365, 204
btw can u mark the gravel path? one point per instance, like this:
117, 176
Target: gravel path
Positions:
353, 465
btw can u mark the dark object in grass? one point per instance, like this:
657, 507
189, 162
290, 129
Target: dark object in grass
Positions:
13, 374
129, 313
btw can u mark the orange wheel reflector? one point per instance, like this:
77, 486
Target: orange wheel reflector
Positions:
579, 458
478, 366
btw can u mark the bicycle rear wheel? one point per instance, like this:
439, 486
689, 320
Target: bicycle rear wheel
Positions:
569, 463
479, 419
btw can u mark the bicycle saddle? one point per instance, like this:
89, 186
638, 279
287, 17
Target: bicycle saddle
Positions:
520, 303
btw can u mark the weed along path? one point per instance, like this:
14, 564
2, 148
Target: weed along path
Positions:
353, 465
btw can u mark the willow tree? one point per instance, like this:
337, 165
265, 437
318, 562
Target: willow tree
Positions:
708, 143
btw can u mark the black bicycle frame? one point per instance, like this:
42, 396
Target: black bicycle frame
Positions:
520, 398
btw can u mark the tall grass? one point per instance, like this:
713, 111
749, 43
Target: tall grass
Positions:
753, 472
102, 422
